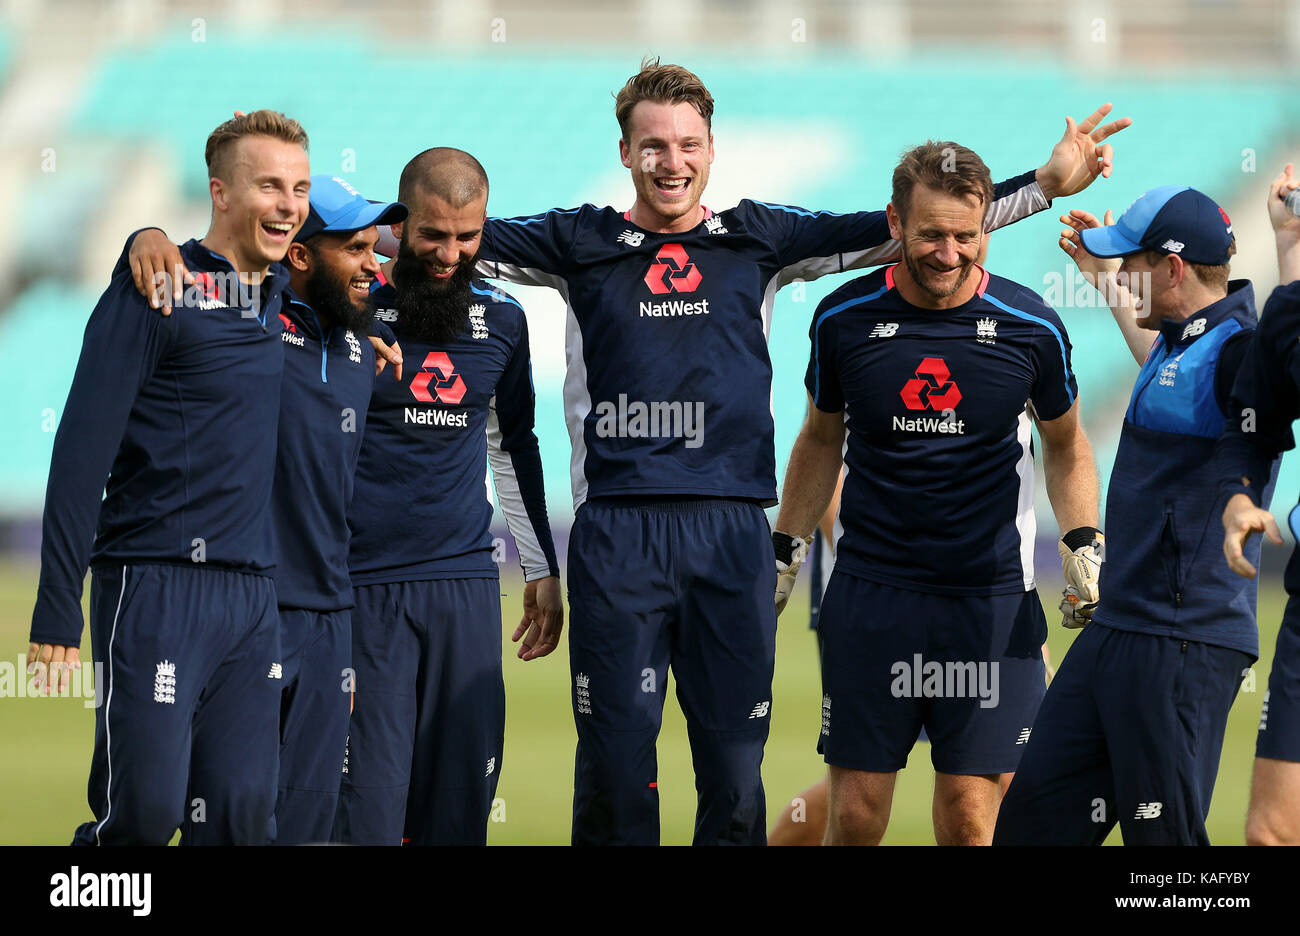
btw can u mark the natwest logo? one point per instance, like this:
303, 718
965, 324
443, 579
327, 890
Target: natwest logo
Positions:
449, 388
930, 388
672, 271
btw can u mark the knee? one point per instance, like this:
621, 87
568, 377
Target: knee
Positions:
1268, 827
856, 823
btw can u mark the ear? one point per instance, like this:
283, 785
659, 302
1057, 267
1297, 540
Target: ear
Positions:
1177, 270
710, 149
217, 189
625, 152
396, 229
298, 257
895, 222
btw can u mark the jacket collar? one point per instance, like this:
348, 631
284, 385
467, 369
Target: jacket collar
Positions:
1239, 303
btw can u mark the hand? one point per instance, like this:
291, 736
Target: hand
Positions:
543, 618
790, 553
385, 354
1081, 567
1241, 518
1096, 269
1076, 159
52, 660
152, 255
1283, 221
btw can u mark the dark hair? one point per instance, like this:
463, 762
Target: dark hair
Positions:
943, 165
453, 175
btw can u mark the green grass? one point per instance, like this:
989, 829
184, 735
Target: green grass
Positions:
47, 742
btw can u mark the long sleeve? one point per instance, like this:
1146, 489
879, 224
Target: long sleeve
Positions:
532, 251
516, 462
123, 344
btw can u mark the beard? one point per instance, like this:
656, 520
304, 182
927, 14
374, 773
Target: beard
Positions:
333, 301
434, 312
920, 276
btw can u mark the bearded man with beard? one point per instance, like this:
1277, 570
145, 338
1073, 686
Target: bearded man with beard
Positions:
937, 369
427, 729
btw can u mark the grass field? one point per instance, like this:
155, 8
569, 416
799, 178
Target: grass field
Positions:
47, 742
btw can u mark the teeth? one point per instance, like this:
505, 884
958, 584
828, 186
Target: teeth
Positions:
278, 225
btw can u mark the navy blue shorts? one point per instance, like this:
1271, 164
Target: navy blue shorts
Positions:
686, 584
425, 739
968, 669
187, 735
317, 692
1130, 731
1279, 722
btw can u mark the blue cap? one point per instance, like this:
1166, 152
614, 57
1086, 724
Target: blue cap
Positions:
1171, 219
338, 208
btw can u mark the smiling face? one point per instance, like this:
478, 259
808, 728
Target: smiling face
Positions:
262, 200
669, 150
941, 239
443, 238
1148, 283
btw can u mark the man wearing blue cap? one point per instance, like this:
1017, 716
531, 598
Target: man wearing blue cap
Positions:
1266, 400
324, 395
1132, 726
329, 372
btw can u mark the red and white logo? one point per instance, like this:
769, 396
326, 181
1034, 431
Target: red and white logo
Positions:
672, 271
931, 388
439, 371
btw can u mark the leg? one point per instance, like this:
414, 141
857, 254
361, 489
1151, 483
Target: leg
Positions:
1062, 792
723, 653
869, 719
381, 731
965, 808
317, 652
1274, 816
1165, 755
460, 722
620, 608
142, 622
803, 822
858, 806
233, 766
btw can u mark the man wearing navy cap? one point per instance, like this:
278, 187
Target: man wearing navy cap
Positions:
329, 372
1132, 726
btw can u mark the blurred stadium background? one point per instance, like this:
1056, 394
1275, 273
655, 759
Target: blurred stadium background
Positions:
106, 105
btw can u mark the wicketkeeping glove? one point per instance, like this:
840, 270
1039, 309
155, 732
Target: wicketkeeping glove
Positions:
790, 553
1082, 552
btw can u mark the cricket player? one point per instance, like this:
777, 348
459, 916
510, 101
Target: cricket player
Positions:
936, 369
426, 736
161, 480
666, 399
1132, 727
1265, 401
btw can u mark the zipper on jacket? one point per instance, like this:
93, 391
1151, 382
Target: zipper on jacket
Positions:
1171, 555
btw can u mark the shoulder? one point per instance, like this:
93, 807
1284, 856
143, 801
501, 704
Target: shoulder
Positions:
1012, 298
495, 305
860, 291
1280, 320
551, 216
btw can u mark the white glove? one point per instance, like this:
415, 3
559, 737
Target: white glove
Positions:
1082, 552
790, 553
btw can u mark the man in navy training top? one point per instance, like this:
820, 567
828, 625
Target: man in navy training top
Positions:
178, 414
329, 371
1265, 401
425, 742
667, 401
931, 617
1132, 727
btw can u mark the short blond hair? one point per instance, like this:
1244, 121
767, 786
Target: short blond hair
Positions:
221, 141
663, 84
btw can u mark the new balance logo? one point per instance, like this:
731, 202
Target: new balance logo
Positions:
491, 766
1194, 327
1148, 810
760, 710
277, 672
1024, 736
884, 330
1173, 246
631, 238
